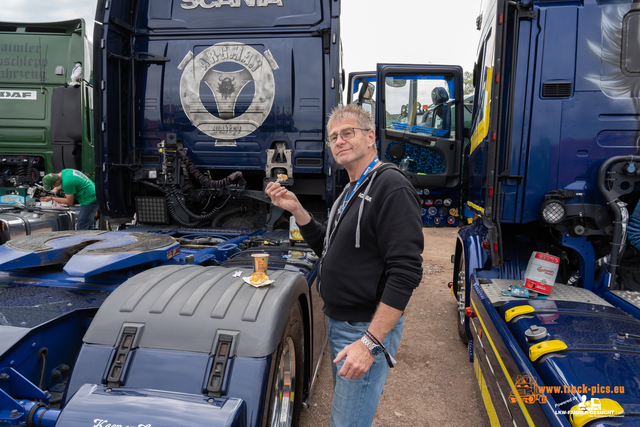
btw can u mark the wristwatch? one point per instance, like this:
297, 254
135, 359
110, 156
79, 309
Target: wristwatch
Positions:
373, 348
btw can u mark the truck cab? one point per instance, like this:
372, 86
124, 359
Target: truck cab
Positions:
206, 104
46, 114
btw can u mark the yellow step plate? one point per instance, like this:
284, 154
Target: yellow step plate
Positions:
518, 311
544, 348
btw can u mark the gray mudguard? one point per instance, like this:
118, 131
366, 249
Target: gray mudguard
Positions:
182, 308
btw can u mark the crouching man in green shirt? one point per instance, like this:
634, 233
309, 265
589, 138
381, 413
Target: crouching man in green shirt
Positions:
76, 186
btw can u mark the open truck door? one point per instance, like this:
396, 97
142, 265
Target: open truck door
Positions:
419, 121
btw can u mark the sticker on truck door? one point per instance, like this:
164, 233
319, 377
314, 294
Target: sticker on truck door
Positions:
226, 86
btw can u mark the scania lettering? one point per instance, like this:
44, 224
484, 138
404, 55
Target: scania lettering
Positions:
192, 4
156, 323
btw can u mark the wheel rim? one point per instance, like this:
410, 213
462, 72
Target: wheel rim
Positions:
285, 384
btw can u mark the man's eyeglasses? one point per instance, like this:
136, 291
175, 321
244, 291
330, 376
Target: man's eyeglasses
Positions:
345, 134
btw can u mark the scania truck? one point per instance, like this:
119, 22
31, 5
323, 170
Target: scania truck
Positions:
552, 168
198, 105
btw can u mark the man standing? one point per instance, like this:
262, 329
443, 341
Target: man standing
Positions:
76, 186
370, 263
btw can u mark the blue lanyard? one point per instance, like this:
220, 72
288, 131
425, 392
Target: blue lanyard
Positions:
373, 163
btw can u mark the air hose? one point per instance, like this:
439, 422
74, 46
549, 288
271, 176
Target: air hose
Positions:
171, 194
206, 182
174, 192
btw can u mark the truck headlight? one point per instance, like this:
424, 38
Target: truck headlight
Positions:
553, 211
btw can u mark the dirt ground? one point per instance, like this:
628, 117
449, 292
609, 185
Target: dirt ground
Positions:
433, 383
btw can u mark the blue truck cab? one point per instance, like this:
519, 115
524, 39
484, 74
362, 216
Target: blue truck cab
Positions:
198, 105
213, 88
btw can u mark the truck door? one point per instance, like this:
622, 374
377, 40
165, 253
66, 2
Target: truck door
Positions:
419, 121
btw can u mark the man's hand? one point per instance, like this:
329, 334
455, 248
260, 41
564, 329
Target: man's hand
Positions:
45, 199
285, 199
359, 360
282, 197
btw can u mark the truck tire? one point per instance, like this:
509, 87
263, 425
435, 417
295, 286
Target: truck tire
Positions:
459, 285
286, 393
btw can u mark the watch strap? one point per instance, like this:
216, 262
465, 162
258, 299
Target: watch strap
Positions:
371, 338
369, 344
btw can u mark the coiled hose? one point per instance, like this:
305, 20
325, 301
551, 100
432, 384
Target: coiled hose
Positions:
206, 182
174, 192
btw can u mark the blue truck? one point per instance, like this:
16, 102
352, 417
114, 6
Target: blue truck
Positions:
198, 105
552, 168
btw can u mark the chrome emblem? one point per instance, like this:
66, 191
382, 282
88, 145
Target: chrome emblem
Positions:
226, 86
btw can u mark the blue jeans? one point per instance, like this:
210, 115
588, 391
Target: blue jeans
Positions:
355, 401
87, 216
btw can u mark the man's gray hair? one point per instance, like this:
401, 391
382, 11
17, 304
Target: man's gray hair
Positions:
351, 112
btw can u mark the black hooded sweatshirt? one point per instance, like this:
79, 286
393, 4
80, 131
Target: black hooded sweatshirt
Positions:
374, 250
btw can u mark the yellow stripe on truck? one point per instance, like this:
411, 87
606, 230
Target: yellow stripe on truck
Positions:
504, 369
488, 403
483, 127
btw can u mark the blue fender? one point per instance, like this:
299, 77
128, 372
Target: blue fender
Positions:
101, 406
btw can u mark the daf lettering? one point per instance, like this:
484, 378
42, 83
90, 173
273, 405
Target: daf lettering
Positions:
18, 94
192, 4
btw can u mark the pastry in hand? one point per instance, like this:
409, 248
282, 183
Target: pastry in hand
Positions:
282, 177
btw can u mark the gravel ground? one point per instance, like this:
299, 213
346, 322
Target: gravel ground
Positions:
433, 383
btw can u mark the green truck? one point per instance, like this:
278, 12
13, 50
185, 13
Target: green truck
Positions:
46, 103
46, 116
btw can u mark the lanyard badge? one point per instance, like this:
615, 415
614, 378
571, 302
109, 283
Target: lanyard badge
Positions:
373, 163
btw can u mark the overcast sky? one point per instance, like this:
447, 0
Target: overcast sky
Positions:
373, 31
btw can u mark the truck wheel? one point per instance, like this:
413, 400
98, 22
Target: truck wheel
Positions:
461, 314
286, 398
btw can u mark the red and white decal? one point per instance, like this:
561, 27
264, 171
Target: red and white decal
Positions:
173, 252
